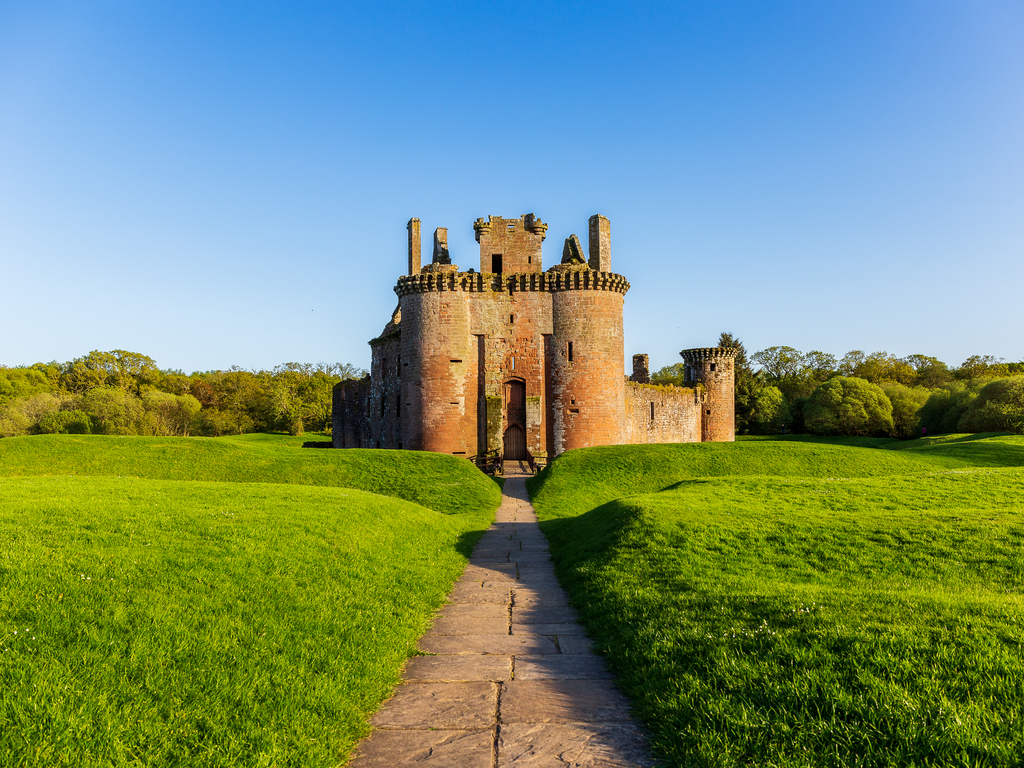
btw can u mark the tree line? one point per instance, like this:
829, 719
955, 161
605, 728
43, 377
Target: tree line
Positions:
126, 393
780, 389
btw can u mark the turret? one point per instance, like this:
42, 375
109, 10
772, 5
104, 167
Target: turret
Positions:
714, 368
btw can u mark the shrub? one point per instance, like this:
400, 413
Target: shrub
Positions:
846, 405
998, 407
65, 423
945, 407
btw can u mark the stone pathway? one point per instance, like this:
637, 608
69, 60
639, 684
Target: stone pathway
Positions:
511, 680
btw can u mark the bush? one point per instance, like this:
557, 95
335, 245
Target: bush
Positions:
846, 405
998, 407
945, 407
65, 423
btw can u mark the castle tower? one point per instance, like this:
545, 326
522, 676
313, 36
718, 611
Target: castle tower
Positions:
714, 367
510, 245
584, 355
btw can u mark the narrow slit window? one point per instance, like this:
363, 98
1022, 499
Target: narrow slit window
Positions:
652, 411
398, 368
511, 318
713, 367
454, 361
569, 352
513, 363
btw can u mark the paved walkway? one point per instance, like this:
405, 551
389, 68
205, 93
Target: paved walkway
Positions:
511, 680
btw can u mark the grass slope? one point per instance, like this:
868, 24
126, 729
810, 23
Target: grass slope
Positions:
870, 616
436, 481
192, 622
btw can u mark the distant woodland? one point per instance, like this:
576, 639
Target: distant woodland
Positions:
875, 394
125, 393
778, 389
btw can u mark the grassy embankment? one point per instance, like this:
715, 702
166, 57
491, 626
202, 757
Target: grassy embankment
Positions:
216, 602
795, 602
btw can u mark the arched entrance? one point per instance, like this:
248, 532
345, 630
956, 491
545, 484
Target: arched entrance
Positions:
515, 443
515, 420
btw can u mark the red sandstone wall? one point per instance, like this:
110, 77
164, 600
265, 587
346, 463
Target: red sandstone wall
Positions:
586, 392
714, 368
676, 414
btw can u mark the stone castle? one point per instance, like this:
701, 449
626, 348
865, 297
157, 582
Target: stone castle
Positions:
519, 360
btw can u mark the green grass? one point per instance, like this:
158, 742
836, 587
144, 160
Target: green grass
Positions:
824, 605
179, 620
434, 480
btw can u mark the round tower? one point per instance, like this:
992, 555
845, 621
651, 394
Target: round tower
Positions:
714, 368
437, 362
584, 354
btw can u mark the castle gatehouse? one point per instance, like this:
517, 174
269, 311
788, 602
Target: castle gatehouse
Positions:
519, 360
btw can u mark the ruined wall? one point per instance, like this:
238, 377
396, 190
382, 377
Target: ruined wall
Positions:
662, 414
384, 414
349, 408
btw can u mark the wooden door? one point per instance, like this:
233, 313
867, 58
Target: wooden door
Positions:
515, 443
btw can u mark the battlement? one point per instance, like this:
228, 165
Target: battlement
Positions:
697, 354
581, 279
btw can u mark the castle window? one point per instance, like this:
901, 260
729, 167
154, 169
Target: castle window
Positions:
495, 262
454, 361
652, 411
569, 352
512, 227
511, 318
513, 363
529, 259
398, 368
708, 412
713, 367
574, 410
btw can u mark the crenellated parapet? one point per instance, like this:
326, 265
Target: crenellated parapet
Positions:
579, 279
700, 354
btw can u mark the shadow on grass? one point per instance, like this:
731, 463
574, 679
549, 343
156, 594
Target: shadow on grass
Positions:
467, 541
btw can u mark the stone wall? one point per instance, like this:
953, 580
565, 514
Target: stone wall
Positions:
349, 408
662, 414
714, 368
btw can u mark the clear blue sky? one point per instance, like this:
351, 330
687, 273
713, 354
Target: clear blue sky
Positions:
218, 183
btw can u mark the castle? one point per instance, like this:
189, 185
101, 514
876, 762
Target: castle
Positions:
520, 360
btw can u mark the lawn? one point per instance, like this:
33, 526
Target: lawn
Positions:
155, 612
799, 603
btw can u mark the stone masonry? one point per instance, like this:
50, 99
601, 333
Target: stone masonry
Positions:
518, 359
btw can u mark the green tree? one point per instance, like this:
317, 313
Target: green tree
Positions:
906, 403
670, 374
770, 413
928, 371
998, 407
945, 407
846, 405
747, 383
113, 411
